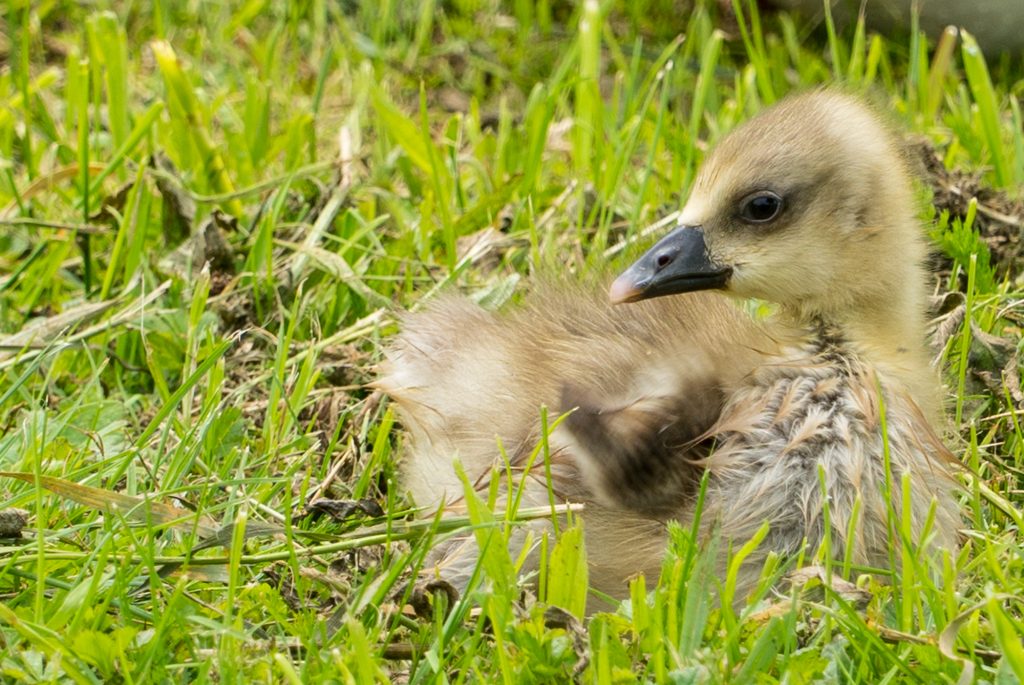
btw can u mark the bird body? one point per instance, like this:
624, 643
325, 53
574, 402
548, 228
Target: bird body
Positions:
809, 421
469, 385
817, 443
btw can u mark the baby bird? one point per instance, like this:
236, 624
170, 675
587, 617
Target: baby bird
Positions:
808, 422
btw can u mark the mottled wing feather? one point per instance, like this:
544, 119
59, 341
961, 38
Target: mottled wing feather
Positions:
642, 455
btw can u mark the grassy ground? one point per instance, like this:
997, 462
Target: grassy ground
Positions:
165, 425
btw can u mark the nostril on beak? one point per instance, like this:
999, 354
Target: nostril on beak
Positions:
663, 260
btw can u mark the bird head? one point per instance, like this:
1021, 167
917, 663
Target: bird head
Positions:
808, 205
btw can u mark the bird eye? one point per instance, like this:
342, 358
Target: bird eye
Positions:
760, 208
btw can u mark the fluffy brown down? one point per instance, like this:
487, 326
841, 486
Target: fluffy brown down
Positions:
662, 390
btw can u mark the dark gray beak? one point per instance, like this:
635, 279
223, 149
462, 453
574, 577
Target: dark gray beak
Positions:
678, 263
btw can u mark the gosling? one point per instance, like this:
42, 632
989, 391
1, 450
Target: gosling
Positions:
808, 422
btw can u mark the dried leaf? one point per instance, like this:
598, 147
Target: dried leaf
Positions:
47, 182
1011, 379
42, 332
945, 303
224, 535
112, 205
989, 352
422, 598
179, 210
340, 510
946, 327
947, 644
138, 508
209, 246
554, 617
841, 587
129, 313
336, 265
484, 246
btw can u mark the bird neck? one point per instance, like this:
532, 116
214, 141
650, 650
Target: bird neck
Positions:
891, 336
